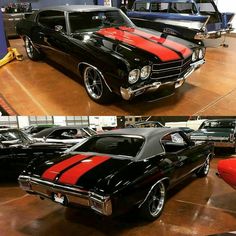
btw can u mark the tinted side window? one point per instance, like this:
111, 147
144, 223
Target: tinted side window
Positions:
183, 8
159, 7
174, 142
142, 6
50, 19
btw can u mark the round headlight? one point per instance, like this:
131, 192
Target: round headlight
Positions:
201, 53
194, 55
134, 76
145, 72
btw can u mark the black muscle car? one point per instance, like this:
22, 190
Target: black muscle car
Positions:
17, 150
108, 51
118, 170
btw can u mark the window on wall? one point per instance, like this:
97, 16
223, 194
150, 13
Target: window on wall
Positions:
77, 120
10, 121
40, 120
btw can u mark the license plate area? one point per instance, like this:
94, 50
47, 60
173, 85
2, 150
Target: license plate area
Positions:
59, 198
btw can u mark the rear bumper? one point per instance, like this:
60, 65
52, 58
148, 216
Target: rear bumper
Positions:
129, 93
68, 195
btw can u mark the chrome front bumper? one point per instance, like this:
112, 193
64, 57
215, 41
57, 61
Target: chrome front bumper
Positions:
74, 196
129, 93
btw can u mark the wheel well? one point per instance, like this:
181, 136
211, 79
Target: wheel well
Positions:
166, 182
81, 68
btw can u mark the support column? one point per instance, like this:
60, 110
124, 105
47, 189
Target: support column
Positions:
3, 43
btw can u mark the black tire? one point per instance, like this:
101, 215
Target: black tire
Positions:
95, 85
204, 170
153, 206
31, 52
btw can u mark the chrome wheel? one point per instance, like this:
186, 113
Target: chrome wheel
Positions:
93, 82
206, 166
156, 200
203, 171
29, 48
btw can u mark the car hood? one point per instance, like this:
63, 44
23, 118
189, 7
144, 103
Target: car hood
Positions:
211, 134
85, 171
137, 44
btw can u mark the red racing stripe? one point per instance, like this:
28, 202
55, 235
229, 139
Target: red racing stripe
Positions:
185, 51
165, 54
52, 172
72, 175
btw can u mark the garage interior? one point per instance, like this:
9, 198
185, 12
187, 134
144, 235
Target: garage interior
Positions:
197, 206
39, 88
203, 206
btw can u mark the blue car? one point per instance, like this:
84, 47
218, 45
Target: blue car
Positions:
191, 19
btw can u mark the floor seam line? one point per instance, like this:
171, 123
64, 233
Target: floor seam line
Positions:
12, 200
26, 92
216, 208
213, 103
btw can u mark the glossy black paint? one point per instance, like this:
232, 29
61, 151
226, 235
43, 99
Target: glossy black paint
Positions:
128, 180
113, 58
16, 154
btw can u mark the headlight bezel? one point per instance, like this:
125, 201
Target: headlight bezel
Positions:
195, 55
137, 71
149, 69
201, 53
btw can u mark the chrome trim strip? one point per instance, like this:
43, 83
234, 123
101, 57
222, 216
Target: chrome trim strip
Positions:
85, 63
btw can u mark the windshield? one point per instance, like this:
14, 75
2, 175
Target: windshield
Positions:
114, 145
12, 136
219, 124
90, 131
92, 21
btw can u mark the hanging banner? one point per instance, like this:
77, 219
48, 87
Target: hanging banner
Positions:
3, 43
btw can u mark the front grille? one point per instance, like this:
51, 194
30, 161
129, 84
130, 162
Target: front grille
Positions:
170, 70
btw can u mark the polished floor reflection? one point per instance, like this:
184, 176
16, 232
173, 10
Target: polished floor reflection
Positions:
36, 88
201, 207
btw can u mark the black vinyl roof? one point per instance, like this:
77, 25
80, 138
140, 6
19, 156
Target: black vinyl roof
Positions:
152, 145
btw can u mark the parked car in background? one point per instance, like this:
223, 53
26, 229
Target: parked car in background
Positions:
64, 134
17, 150
227, 171
115, 171
222, 132
191, 19
186, 130
34, 129
108, 51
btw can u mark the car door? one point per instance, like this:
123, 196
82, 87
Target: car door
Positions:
185, 156
53, 38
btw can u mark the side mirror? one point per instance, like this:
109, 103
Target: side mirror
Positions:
58, 28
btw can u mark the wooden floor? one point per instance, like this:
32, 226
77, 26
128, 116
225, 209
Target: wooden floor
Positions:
36, 88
